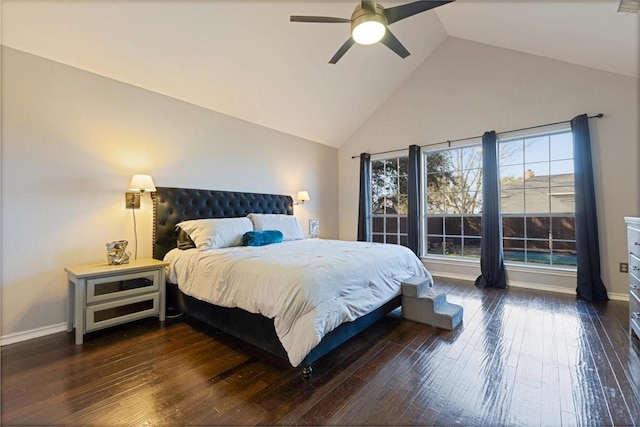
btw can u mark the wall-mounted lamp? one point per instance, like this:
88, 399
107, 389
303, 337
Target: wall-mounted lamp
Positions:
301, 197
138, 185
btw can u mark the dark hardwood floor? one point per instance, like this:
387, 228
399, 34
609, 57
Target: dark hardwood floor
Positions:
520, 358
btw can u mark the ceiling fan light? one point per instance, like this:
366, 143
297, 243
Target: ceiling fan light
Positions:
368, 32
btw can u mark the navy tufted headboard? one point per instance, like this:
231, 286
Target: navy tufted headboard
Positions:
172, 205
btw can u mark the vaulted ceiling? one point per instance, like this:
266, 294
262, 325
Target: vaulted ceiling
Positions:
245, 59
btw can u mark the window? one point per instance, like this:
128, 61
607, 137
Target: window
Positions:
537, 208
389, 199
453, 201
537, 199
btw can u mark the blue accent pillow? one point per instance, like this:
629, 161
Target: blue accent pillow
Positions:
261, 238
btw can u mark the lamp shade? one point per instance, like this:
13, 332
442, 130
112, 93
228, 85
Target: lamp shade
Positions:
303, 196
142, 183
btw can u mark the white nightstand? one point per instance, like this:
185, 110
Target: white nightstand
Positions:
102, 295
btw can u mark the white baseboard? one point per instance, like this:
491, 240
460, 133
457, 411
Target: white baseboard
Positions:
33, 333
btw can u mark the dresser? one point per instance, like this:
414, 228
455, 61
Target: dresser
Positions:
633, 243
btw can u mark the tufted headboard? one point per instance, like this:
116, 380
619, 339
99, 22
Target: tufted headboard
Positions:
172, 205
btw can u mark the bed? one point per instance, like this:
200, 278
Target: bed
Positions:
261, 326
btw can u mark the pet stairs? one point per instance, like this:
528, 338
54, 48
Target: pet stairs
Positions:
422, 305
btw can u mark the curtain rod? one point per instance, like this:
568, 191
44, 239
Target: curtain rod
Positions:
597, 116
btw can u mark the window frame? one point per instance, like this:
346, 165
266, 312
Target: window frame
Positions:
548, 132
424, 215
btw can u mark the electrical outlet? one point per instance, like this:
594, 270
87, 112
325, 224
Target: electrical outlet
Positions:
624, 267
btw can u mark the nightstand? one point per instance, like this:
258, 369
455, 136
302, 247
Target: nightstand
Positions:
103, 295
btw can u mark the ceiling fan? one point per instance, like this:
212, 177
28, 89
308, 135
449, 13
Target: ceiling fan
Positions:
369, 24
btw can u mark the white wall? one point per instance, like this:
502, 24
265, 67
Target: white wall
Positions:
71, 141
464, 89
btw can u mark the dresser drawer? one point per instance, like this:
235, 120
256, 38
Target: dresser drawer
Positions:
633, 240
121, 286
634, 268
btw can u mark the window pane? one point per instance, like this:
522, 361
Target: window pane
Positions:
403, 224
513, 250
536, 149
536, 200
435, 203
453, 226
404, 240
563, 228
536, 175
564, 253
378, 238
453, 246
403, 200
561, 167
436, 163
377, 224
511, 152
377, 205
512, 176
538, 245
561, 146
513, 227
471, 247
403, 166
513, 244
472, 226
391, 238
512, 201
392, 225
435, 245
538, 227
538, 252
562, 199
435, 225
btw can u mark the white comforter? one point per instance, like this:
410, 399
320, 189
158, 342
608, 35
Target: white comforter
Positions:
309, 287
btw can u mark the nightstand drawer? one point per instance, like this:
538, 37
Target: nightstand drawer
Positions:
121, 286
121, 311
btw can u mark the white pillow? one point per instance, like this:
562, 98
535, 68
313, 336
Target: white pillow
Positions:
287, 224
216, 233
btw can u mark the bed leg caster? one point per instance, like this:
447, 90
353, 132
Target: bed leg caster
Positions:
306, 372
422, 305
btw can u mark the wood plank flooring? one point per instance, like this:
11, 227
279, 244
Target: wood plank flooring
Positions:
521, 357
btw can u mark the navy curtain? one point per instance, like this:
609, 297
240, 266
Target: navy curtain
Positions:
590, 286
364, 210
491, 258
413, 213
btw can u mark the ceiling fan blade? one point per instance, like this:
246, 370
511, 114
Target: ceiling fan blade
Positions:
369, 5
390, 41
343, 49
396, 13
320, 19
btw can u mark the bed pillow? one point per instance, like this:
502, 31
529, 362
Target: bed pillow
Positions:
216, 233
261, 238
287, 224
184, 241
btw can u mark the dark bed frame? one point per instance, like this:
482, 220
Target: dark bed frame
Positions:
172, 205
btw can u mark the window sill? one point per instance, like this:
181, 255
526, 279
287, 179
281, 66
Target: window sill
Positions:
540, 277
510, 266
